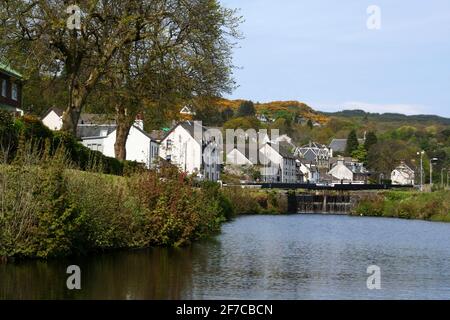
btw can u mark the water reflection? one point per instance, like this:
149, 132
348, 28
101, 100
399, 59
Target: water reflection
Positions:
289, 257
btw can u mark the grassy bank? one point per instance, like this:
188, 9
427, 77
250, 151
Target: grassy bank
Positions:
48, 211
434, 206
256, 201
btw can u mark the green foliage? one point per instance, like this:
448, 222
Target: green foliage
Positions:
371, 140
245, 201
407, 205
352, 142
8, 137
227, 114
246, 109
46, 211
242, 123
360, 154
28, 135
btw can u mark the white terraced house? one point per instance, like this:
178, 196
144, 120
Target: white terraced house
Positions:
278, 163
140, 146
182, 148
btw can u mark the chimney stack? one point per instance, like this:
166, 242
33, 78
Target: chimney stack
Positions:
139, 122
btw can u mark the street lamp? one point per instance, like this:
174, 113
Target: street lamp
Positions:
431, 170
421, 168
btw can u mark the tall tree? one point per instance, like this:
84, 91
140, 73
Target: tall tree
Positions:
352, 143
83, 56
168, 72
371, 139
246, 109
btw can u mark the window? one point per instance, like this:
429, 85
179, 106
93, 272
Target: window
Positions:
14, 94
4, 87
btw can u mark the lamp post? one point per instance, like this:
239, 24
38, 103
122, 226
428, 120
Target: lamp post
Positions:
421, 168
431, 170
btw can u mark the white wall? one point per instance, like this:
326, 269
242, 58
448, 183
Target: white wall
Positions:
341, 172
137, 146
53, 121
95, 144
184, 151
288, 166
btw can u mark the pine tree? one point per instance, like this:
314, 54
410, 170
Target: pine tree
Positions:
371, 140
352, 143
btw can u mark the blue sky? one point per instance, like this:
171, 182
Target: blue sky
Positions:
322, 53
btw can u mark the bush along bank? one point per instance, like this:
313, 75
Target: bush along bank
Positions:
47, 211
255, 201
433, 206
18, 137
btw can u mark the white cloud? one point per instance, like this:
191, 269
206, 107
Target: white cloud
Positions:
408, 109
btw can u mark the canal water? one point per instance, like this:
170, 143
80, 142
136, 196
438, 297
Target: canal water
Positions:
260, 257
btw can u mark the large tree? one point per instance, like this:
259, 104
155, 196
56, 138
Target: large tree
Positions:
352, 143
165, 72
371, 140
84, 56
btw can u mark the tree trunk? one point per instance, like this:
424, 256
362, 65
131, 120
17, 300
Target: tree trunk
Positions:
123, 129
72, 114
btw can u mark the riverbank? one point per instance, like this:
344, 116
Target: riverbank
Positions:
48, 211
432, 206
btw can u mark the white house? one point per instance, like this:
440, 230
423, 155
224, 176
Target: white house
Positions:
185, 148
140, 147
310, 171
403, 175
53, 119
343, 172
263, 118
278, 163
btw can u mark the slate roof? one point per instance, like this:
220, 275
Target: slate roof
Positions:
94, 131
339, 145
58, 111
